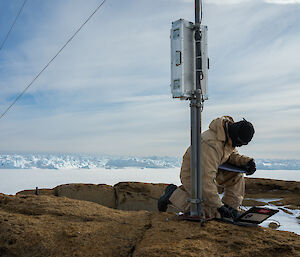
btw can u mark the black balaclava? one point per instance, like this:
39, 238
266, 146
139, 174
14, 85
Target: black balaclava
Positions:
240, 132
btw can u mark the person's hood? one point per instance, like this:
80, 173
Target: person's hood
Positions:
217, 126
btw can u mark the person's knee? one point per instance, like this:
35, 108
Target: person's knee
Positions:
179, 199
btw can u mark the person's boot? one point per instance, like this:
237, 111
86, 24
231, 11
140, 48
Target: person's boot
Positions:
234, 212
163, 201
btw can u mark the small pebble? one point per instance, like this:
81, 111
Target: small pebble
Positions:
274, 225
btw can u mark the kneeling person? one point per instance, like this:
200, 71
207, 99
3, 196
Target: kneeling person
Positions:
219, 144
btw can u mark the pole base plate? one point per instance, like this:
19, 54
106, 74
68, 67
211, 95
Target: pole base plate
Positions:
186, 216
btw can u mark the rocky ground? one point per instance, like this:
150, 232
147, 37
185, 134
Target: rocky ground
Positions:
47, 225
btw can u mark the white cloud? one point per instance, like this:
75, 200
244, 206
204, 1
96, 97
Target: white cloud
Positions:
223, 2
245, 1
283, 1
226, 2
108, 92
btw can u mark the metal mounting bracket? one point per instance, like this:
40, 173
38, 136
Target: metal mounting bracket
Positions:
195, 201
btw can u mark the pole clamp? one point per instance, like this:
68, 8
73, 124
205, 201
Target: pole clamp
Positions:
195, 201
196, 26
197, 105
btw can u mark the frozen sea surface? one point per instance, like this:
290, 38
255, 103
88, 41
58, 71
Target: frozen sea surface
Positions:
293, 175
13, 181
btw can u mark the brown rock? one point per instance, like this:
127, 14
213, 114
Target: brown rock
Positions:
273, 225
134, 196
278, 192
56, 226
253, 202
43, 191
52, 226
101, 194
259, 185
184, 238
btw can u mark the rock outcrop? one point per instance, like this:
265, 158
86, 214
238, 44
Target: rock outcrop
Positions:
47, 225
101, 194
135, 196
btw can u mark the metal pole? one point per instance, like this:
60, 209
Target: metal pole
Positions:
198, 6
196, 109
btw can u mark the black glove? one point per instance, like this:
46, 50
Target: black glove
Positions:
227, 211
250, 168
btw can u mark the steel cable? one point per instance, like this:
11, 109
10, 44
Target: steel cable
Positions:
46, 66
13, 24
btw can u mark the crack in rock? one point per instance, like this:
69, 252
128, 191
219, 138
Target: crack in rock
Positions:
146, 227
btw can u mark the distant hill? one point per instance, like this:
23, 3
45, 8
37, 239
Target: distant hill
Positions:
77, 161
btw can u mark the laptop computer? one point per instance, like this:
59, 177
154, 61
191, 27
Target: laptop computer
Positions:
252, 217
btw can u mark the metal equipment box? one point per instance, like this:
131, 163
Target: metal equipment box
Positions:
183, 60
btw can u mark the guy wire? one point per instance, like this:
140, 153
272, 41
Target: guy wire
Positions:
11, 27
46, 66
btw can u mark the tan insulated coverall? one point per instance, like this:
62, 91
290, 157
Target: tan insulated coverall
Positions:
215, 151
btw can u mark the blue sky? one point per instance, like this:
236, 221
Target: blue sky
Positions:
108, 92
